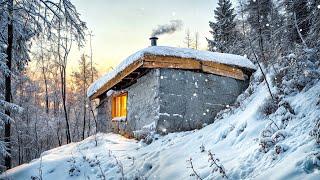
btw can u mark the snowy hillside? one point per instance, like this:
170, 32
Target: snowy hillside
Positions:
238, 139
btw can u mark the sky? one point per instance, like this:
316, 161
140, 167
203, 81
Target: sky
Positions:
122, 27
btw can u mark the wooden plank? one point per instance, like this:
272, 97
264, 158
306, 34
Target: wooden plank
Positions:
125, 83
173, 60
191, 65
117, 78
223, 70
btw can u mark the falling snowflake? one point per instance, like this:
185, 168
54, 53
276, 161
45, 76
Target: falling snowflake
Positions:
318, 6
195, 94
267, 25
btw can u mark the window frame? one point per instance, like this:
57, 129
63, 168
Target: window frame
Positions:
119, 110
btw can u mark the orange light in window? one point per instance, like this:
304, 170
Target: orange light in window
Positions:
119, 105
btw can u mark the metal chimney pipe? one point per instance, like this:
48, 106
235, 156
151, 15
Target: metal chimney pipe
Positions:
153, 41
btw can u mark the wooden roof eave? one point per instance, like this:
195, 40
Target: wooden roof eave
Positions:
128, 70
154, 61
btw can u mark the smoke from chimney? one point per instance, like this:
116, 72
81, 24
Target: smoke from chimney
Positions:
170, 28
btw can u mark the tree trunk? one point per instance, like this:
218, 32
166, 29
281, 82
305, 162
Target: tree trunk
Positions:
91, 62
46, 90
45, 79
63, 85
94, 118
7, 128
63, 81
261, 43
84, 120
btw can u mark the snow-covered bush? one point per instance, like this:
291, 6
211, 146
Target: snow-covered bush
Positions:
297, 72
312, 162
274, 131
74, 169
202, 148
269, 107
280, 148
279, 135
315, 132
241, 128
147, 134
266, 144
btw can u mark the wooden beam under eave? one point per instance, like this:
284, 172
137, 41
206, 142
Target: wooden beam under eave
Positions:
223, 70
191, 66
173, 60
128, 70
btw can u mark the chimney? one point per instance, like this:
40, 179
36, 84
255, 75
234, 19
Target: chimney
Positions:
153, 41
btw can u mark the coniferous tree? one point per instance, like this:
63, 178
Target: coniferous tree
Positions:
259, 18
224, 29
298, 19
314, 33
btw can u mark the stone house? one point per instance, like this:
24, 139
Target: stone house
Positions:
168, 89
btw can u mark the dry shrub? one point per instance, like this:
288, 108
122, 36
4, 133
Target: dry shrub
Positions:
269, 107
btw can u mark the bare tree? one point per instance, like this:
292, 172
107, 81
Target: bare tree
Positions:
25, 20
196, 40
188, 40
82, 80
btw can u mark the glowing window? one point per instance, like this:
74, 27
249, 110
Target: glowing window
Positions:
119, 105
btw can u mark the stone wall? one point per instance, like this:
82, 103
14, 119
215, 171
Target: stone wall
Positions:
142, 106
104, 115
176, 100
143, 101
190, 99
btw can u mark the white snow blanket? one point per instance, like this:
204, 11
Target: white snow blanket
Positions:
233, 139
222, 58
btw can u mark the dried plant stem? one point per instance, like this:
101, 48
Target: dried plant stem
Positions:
194, 172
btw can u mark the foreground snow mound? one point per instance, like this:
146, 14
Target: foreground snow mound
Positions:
237, 139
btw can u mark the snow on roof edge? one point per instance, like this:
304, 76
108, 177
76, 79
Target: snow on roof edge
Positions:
222, 58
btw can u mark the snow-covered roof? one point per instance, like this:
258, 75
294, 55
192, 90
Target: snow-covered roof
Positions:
221, 58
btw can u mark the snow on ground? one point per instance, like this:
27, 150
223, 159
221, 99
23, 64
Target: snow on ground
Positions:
233, 139
223, 58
